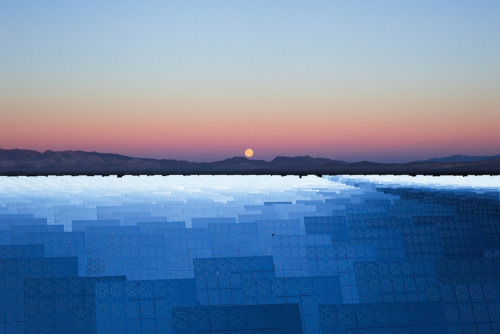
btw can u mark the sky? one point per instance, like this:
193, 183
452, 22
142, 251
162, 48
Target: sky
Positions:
205, 80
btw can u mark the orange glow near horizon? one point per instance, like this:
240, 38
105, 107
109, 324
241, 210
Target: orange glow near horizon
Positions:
399, 127
199, 136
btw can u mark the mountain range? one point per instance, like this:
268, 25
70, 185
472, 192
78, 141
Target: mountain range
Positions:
29, 162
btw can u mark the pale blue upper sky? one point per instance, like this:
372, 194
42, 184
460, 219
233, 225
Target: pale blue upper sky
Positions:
258, 41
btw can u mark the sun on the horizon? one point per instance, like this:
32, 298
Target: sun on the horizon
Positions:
249, 152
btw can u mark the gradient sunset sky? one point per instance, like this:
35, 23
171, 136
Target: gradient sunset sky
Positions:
204, 80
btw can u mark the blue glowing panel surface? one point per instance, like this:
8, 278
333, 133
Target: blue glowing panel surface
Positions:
141, 306
340, 260
272, 319
307, 292
405, 318
234, 239
250, 254
394, 281
219, 280
14, 271
21, 251
469, 307
61, 305
290, 252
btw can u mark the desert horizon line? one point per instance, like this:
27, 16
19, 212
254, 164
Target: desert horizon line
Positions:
253, 158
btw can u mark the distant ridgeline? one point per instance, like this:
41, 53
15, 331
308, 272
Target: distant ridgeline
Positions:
27, 162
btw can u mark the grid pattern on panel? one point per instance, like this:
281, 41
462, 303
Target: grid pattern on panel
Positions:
379, 282
388, 242
124, 251
451, 271
432, 220
469, 307
491, 253
491, 231
360, 220
81, 225
334, 225
219, 280
270, 319
388, 222
150, 227
182, 246
61, 244
14, 271
5, 237
307, 292
61, 305
269, 228
19, 231
361, 208
21, 251
228, 240
203, 222
141, 306
7, 221
339, 260
375, 318
422, 242
249, 218
461, 238
290, 255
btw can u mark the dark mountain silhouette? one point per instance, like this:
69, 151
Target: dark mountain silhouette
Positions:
462, 158
236, 163
304, 162
29, 162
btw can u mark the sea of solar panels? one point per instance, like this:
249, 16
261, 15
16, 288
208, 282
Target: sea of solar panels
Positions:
249, 254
